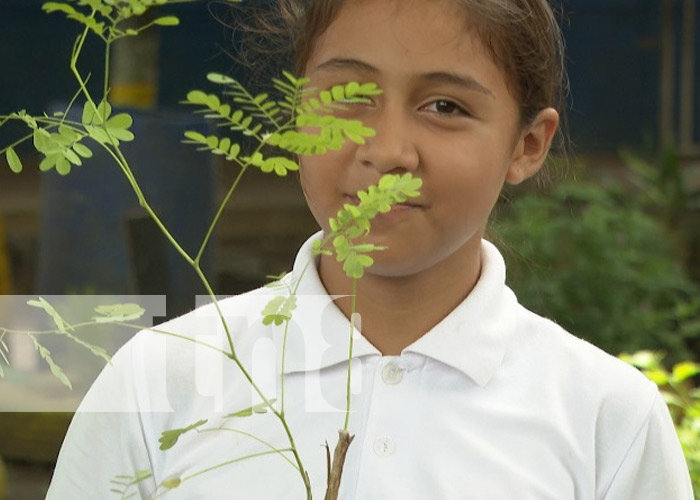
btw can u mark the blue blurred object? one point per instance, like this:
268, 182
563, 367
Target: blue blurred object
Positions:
94, 236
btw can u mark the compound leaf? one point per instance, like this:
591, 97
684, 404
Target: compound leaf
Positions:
58, 320
56, 370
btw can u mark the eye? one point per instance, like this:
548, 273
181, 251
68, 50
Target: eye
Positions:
446, 107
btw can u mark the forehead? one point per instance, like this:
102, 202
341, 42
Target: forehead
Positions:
410, 22
406, 36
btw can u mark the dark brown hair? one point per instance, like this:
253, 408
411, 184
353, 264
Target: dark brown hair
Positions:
522, 36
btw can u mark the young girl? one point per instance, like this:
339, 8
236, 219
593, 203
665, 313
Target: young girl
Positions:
458, 391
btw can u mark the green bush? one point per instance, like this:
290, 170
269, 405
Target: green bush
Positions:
682, 399
592, 260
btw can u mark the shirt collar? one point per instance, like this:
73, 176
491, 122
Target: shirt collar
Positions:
473, 338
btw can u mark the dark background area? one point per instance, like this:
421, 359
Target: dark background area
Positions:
613, 62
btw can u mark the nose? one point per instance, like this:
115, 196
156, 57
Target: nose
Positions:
393, 147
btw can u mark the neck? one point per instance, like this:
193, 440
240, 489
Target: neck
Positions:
397, 311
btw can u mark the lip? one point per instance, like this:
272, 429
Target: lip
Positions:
354, 200
398, 212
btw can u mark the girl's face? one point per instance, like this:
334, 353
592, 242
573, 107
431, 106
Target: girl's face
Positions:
446, 116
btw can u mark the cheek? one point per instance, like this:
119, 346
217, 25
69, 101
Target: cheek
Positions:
470, 183
319, 184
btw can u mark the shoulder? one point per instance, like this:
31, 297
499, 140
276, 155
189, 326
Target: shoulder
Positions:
574, 357
610, 406
615, 397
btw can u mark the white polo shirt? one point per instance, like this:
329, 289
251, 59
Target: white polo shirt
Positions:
494, 403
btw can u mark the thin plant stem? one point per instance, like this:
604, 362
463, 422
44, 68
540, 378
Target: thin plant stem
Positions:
227, 198
71, 102
17, 142
121, 160
284, 338
219, 212
108, 52
219, 466
77, 49
350, 348
252, 383
254, 437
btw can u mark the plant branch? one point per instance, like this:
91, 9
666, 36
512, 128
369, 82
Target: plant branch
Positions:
335, 472
108, 51
348, 393
218, 466
249, 378
256, 438
284, 337
220, 212
71, 102
124, 165
77, 49
17, 142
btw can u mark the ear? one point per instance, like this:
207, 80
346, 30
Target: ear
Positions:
532, 146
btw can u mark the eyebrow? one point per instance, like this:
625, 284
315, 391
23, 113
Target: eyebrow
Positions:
449, 78
436, 77
338, 63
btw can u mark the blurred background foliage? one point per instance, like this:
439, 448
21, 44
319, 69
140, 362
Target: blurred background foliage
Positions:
612, 258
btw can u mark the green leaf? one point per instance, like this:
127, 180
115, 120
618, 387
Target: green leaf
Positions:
197, 97
658, 376
88, 113
247, 412
96, 350
234, 151
167, 21
49, 162
82, 150
104, 111
89, 22
279, 310
97, 134
118, 313
55, 369
685, 370
63, 166
43, 142
195, 136
220, 79
72, 157
13, 160
224, 145
67, 135
646, 360
672, 399
172, 483
168, 439
120, 121
58, 320
121, 134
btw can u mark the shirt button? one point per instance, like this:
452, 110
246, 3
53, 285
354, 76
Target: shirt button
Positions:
384, 446
392, 374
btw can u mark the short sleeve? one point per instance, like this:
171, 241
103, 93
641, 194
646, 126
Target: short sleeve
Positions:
654, 467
